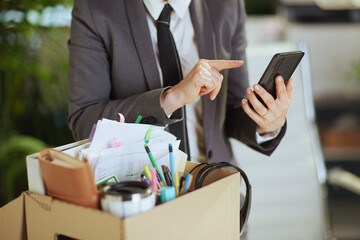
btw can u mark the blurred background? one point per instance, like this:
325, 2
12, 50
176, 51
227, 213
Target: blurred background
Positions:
33, 100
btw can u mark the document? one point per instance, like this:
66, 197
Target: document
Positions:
117, 150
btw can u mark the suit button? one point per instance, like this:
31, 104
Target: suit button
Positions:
210, 153
149, 120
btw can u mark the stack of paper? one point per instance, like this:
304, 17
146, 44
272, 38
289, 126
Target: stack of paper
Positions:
117, 150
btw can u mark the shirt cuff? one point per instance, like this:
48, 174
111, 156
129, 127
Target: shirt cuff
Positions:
266, 137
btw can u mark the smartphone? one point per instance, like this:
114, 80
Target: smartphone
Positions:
283, 64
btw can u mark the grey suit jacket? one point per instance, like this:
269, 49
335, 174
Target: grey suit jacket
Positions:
112, 69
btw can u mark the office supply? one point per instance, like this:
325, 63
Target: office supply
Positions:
181, 182
121, 118
154, 163
172, 164
167, 194
126, 133
111, 179
91, 136
127, 161
187, 183
138, 119
145, 179
159, 181
154, 179
35, 178
148, 135
148, 172
67, 178
176, 183
125, 199
182, 159
167, 174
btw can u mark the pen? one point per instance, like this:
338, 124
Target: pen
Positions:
160, 183
145, 179
176, 183
187, 183
154, 163
154, 181
167, 176
172, 164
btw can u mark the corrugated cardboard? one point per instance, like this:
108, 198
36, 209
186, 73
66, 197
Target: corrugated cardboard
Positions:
12, 220
211, 212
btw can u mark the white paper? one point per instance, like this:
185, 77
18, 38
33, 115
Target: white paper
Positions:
126, 162
108, 131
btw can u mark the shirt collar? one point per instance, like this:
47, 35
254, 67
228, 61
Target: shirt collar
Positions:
156, 6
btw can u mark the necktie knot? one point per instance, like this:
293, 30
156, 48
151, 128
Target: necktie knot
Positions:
164, 17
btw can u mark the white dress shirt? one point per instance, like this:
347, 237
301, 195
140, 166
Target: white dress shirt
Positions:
183, 32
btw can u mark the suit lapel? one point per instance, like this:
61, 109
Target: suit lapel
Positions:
140, 31
205, 38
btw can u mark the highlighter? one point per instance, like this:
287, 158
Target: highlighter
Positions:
176, 183
148, 172
154, 180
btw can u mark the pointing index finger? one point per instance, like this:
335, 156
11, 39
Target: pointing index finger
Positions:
225, 64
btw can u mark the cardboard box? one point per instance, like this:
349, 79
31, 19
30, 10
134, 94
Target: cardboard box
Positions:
211, 212
12, 220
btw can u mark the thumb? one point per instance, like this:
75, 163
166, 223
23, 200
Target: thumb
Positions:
225, 64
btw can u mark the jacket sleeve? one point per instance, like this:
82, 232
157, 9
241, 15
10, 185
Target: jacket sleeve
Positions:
238, 124
90, 81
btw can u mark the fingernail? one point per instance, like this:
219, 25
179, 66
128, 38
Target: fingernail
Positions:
249, 91
243, 102
279, 79
257, 87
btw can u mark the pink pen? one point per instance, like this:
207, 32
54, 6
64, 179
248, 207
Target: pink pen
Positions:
154, 180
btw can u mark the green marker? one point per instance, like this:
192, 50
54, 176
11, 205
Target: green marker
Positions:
154, 164
138, 119
147, 135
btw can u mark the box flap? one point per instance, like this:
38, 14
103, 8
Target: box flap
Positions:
47, 217
12, 220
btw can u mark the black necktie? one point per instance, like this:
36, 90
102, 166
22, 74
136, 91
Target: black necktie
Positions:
171, 70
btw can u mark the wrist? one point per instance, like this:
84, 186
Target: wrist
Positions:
170, 101
263, 132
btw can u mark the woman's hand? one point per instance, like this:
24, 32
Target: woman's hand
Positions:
204, 78
272, 117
